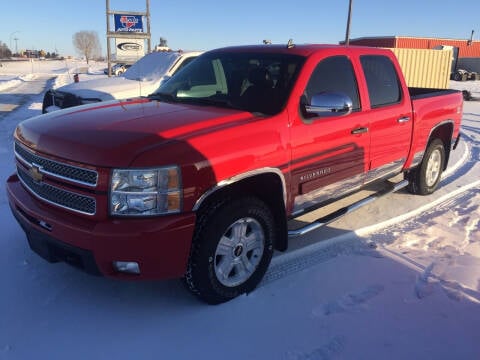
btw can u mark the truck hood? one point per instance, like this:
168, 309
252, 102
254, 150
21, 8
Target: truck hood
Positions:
111, 88
114, 133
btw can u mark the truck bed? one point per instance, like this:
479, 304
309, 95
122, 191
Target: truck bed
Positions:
421, 93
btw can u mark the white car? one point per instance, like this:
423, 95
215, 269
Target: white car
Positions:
117, 69
141, 79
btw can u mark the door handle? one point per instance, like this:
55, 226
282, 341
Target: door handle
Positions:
360, 130
403, 119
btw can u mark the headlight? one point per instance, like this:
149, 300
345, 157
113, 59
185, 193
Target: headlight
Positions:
148, 192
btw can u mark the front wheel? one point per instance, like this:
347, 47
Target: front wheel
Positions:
231, 250
425, 178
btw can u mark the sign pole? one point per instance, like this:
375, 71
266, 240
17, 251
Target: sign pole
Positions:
148, 27
128, 33
109, 62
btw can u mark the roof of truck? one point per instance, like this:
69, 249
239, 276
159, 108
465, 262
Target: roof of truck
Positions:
301, 49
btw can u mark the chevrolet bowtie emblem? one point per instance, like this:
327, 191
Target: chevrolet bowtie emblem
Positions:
35, 173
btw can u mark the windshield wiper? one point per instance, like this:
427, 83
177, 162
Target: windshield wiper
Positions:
214, 100
163, 97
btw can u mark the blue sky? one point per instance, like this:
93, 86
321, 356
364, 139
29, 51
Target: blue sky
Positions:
207, 24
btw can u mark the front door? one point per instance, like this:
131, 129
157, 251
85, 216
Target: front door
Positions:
329, 154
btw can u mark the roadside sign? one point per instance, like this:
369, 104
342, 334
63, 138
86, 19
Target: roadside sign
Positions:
128, 23
127, 49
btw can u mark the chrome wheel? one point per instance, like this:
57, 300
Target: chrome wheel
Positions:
231, 249
239, 252
434, 166
425, 178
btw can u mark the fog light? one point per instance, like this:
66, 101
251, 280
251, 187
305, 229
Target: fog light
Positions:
129, 267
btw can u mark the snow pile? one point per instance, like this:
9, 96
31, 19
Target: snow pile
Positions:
5, 84
152, 66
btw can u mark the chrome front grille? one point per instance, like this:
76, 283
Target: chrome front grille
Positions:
33, 170
57, 169
60, 197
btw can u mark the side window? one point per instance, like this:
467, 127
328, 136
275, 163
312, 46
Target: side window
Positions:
334, 74
382, 81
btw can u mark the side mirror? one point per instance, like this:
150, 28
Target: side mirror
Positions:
329, 104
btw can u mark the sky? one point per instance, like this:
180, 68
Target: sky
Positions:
202, 25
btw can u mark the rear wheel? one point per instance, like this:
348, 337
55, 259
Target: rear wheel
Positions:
425, 178
231, 251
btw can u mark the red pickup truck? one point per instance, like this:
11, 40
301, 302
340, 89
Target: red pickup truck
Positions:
200, 179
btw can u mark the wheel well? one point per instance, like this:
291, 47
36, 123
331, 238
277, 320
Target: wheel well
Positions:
444, 133
266, 187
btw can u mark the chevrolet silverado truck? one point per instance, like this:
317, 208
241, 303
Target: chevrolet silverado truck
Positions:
200, 179
140, 79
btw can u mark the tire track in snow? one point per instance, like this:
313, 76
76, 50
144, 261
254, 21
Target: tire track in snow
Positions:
353, 242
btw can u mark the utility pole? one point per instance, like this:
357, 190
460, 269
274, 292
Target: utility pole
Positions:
11, 36
347, 34
16, 45
470, 41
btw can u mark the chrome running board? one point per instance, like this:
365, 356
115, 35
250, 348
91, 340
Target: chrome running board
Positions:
327, 219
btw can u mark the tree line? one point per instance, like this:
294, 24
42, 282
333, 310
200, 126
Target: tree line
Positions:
6, 53
86, 43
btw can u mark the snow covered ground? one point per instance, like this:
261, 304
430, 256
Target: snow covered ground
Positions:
398, 279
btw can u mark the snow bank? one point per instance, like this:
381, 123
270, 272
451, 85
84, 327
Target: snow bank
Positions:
13, 72
5, 84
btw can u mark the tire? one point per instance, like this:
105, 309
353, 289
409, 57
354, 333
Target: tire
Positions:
231, 250
425, 178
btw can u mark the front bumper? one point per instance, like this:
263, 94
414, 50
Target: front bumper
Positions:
160, 245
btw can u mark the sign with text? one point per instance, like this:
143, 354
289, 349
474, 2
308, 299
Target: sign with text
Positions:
129, 50
128, 23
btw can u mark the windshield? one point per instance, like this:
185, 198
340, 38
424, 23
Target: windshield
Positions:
152, 66
255, 82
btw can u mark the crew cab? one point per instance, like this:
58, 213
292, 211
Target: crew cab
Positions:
200, 179
140, 79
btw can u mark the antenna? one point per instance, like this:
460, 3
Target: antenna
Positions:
290, 44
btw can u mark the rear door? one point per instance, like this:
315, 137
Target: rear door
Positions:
329, 154
390, 117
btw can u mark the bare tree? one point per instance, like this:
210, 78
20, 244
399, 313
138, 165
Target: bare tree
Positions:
4, 51
87, 44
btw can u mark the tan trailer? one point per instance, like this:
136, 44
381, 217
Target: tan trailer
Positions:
425, 68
